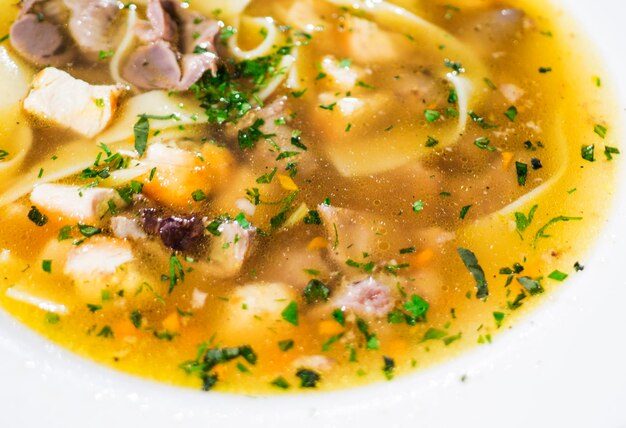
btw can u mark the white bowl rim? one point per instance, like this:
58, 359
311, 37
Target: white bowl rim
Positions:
540, 372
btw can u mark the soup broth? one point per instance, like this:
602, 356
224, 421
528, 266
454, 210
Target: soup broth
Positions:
349, 192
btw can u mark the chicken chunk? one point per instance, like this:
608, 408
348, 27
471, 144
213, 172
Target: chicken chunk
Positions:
344, 75
72, 202
98, 264
354, 232
72, 103
229, 249
257, 306
362, 34
102, 256
367, 297
127, 228
320, 363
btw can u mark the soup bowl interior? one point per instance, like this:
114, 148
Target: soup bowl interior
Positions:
560, 364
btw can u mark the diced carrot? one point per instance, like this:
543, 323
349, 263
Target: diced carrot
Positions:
329, 328
179, 173
287, 183
422, 258
507, 157
172, 322
397, 347
124, 328
317, 243
219, 162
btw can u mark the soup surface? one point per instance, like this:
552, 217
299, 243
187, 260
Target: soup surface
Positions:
285, 195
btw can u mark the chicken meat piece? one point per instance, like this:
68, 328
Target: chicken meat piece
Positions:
86, 206
71, 103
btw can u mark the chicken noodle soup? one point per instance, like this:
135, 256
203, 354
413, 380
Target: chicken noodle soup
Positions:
259, 196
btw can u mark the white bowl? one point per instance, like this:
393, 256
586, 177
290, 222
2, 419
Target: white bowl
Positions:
564, 364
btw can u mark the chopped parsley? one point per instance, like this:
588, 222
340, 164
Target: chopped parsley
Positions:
464, 211
417, 307
136, 318
431, 141
308, 378
345, 63
367, 267
198, 195
471, 263
557, 275
480, 121
312, 217
371, 341
242, 221
37, 217
521, 169
285, 345
610, 151
541, 233
388, 367
431, 115
165, 335
453, 96
267, 178
511, 113
522, 221
484, 144
418, 206
280, 382
177, 273
339, 316
296, 139
127, 192
52, 318
248, 137
457, 67
290, 313
208, 358
601, 130
498, 317
93, 307
102, 55
587, 152
490, 84
331, 340
106, 332
533, 286
434, 334
316, 291
88, 231
141, 131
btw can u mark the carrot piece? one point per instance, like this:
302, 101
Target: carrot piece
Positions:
179, 173
422, 258
317, 243
124, 329
329, 328
507, 157
172, 322
287, 183
397, 347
